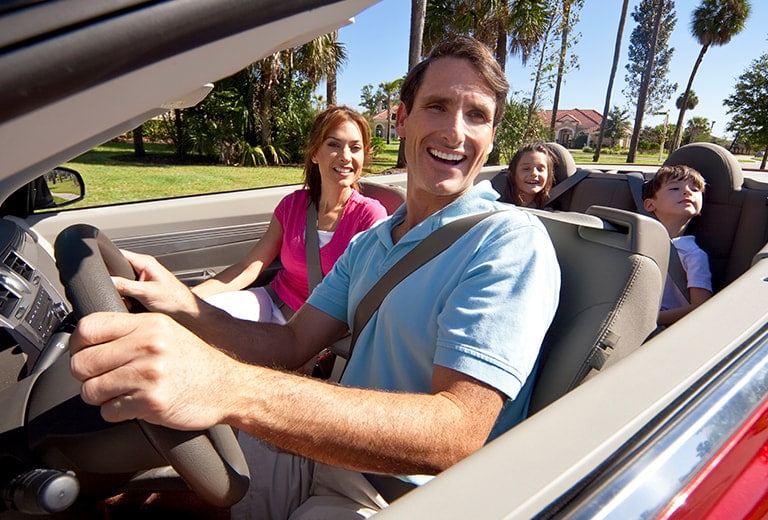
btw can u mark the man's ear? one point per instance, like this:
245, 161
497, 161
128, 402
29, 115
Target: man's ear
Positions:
402, 114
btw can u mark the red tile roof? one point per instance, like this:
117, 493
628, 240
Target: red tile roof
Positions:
586, 117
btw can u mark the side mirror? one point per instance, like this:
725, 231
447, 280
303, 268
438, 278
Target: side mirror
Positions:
57, 188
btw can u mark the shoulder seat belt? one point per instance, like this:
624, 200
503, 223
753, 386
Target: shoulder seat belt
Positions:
437, 242
675, 269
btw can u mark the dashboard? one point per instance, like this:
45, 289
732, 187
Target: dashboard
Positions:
32, 304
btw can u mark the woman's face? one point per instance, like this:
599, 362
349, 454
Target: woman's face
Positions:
341, 155
531, 175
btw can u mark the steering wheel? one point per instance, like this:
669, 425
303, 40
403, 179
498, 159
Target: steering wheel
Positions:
211, 461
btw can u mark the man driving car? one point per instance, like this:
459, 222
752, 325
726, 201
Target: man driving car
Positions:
444, 359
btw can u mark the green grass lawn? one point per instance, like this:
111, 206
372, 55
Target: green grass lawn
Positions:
110, 173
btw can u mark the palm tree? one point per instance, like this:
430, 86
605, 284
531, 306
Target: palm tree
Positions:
322, 58
512, 27
415, 48
569, 11
390, 88
315, 59
714, 22
693, 100
614, 67
696, 126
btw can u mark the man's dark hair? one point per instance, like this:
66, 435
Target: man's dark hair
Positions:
467, 48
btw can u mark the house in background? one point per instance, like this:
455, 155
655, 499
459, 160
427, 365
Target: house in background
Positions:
380, 124
577, 127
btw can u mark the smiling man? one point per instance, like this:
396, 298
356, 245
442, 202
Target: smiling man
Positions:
439, 369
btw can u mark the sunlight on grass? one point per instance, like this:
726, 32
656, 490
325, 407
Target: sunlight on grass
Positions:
110, 173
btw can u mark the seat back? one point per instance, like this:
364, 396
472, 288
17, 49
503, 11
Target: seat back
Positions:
613, 265
391, 197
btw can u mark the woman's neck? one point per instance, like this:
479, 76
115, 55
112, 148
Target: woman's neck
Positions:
331, 206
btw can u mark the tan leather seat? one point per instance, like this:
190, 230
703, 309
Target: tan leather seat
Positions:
613, 265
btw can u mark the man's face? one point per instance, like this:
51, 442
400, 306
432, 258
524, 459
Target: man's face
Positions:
449, 130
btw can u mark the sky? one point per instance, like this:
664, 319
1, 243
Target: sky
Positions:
377, 50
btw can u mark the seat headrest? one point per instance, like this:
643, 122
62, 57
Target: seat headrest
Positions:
720, 169
391, 197
565, 163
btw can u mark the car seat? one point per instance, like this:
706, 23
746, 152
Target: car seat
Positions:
613, 264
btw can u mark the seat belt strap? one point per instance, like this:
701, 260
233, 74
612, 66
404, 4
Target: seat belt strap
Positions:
563, 187
636, 181
314, 271
437, 242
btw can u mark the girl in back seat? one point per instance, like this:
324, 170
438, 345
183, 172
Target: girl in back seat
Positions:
530, 176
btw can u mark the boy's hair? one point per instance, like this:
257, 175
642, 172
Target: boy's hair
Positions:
667, 174
461, 47
552, 163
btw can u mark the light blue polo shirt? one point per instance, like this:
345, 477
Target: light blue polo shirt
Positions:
481, 307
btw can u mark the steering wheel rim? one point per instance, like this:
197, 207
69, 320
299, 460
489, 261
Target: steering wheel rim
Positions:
211, 461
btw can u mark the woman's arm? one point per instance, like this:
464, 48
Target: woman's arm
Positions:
244, 272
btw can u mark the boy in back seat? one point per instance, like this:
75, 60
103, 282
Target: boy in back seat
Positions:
675, 196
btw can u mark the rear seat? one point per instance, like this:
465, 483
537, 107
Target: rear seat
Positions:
733, 225
613, 266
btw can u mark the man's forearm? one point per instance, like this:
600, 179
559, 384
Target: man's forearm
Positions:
363, 430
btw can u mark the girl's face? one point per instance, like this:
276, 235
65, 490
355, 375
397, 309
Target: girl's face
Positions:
341, 156
531, 175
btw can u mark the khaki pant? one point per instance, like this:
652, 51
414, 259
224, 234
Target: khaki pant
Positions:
285, 486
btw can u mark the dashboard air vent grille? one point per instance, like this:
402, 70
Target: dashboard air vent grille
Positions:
8, 302
18, 265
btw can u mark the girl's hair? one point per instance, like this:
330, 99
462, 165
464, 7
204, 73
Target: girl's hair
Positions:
513, 195
326, 121
667, 174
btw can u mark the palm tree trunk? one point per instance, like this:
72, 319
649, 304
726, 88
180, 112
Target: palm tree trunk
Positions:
537, 81
138, 142
501, 57
644, 85
330, 86
681, 114
609, 90
560, 66
418, 14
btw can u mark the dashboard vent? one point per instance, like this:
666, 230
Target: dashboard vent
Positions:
18, 265
7, 302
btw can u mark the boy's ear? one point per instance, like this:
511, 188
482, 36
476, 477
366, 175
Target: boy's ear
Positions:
649, 206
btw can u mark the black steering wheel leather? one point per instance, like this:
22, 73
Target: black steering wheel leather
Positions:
210, 462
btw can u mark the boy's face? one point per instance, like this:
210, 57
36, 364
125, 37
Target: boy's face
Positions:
676, 199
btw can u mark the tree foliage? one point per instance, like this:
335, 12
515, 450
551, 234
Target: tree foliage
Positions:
617, 124
748, 105
515, 129
660, 90
649, 56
